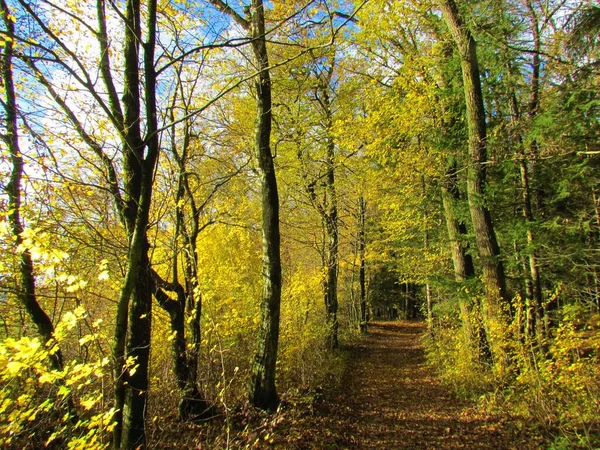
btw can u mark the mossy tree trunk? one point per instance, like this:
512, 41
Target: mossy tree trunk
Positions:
262, 392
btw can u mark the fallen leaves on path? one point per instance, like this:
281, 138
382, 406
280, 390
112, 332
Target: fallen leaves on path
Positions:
391, 399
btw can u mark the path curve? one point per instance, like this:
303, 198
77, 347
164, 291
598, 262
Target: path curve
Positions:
391, 399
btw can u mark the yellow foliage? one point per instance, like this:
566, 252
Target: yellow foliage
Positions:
33, 399
556, 387
304, 360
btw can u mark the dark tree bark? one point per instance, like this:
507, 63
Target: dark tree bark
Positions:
262, 392
361, 269
140, 159
328, 211
485, 237
187, 307
262, 386
133, 199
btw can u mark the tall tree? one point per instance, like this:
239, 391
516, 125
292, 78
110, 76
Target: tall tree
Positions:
321, 185
485, 236
263, 393
127, 114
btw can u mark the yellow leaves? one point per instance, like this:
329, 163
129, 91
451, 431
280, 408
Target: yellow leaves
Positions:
71, 318
172, 336
14, 367
23, 373
6, 403
23, 399
76, 286
103, 267
87, 338
63, 391
4, 228
130, 365
40, 247
89, 403
48, 259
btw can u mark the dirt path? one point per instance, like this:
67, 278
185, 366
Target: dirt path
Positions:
390, 399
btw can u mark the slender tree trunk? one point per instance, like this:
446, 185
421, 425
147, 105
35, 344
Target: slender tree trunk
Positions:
462, 261
361, 270
596, 278
526, 160
428, 297
188, 306
485, 237
527, 168
263, 393
133, 148
331, 227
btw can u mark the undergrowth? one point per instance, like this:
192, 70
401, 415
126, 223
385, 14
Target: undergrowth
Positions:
552, 384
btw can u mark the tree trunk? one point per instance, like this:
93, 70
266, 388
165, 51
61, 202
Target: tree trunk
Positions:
187, 308
463, 263
526, 160
138, 348
263, 393
361, 270
137, 289
485, 237
331, 227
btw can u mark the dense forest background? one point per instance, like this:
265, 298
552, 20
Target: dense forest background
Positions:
202, 201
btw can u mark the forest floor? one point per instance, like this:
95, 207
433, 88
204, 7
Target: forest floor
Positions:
390, 398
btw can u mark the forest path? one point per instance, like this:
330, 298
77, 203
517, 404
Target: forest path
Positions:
391, 399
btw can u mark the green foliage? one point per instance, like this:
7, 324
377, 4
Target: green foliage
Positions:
44, 407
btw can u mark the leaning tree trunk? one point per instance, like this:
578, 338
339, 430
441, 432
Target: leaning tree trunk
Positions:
485, 237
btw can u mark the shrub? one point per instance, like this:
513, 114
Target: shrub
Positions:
44, 407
